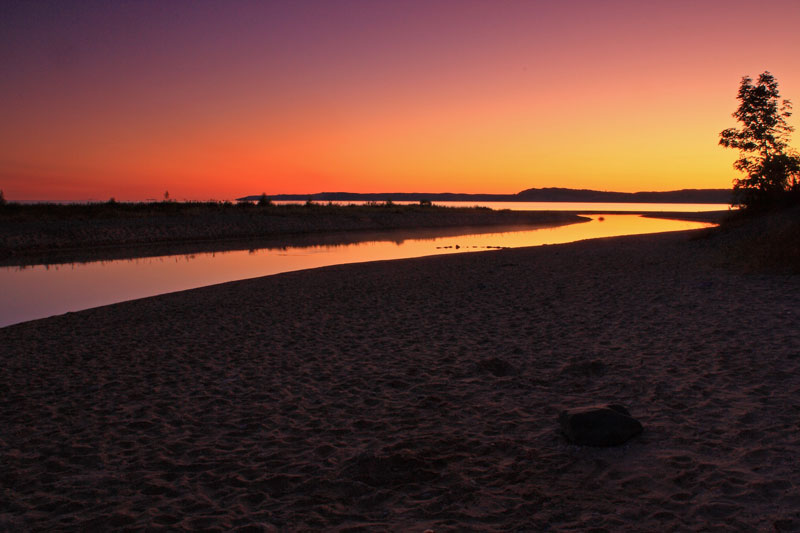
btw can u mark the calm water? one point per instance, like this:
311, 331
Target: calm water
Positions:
27, 293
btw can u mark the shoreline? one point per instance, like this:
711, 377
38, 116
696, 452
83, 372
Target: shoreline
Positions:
28, 238
27, 244
322, 238
417, 393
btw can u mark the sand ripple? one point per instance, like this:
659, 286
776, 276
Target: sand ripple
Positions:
416, 394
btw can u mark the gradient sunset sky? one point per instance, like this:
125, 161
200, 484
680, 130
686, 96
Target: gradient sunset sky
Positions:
229, 98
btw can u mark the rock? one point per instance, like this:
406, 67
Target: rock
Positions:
599, 425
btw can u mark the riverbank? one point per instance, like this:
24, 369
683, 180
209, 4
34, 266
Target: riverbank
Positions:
66, 233
416, 394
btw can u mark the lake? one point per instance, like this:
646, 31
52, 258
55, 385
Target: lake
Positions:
28, 293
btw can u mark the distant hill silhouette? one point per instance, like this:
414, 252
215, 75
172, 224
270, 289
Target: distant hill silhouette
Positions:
550, 194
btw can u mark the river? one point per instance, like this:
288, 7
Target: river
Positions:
39, 291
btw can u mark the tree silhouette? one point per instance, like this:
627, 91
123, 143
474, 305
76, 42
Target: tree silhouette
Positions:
772, 169
264, 200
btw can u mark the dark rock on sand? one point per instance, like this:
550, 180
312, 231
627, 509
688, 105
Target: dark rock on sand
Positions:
599, 425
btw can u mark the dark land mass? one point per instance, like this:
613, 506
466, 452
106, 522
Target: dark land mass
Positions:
714, 217
766, 242
549, 194
50, 233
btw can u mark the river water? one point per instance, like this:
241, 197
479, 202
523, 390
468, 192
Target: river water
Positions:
39, 291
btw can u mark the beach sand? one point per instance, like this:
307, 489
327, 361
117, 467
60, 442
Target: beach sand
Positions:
417, 394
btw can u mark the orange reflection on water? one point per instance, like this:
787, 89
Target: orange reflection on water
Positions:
599, 226
40, 291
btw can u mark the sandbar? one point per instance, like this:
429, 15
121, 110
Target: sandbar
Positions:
417, 394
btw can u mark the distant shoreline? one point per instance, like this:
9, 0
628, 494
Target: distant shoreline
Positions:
548, 194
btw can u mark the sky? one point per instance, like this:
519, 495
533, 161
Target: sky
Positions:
217, 100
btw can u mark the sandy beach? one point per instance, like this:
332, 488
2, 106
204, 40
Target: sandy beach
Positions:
416, 394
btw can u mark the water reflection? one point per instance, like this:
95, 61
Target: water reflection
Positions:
284, 242
33, 292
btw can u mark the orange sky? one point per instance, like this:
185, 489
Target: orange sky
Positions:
225, 99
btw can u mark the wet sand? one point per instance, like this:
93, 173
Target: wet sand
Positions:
417, 394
